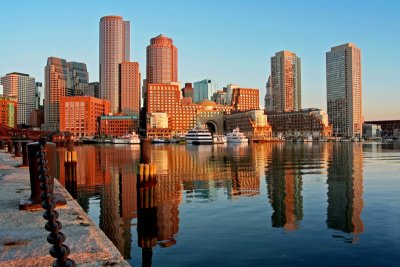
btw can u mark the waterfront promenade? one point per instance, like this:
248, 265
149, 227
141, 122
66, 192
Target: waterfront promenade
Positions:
22, 234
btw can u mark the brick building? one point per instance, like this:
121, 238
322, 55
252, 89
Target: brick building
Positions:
118, 125
8, 111
244, 99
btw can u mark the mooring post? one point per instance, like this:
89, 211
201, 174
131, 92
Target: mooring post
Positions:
2, 145
17, 148
10, 146
147, 205
70, 163
24, 153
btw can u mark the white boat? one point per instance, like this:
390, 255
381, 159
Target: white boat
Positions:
199, 135
236, 136
219, 139
132, 138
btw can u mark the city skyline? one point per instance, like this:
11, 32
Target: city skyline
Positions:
228, 49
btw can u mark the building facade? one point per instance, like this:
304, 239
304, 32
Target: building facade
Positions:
114, 48
244, 99
268, 96
129, 86
187, 91
62, 78
23, 87
118, 125
307, 123
8, 111
252, 123
80, 114
38, 95
371, 130
204, 90
229, 90
220, 97
285, 82
161, 61
344, 90
93, 89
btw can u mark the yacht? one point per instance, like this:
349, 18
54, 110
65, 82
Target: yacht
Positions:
219, 139
236, 136
199, 135
132, 138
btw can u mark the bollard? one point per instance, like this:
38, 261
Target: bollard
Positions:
58, 250
147, 211
70, 163
24, 153
17, 149
34, 200
10, 146
2, 145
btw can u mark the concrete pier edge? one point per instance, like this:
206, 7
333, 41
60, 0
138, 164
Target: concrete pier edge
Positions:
22, 234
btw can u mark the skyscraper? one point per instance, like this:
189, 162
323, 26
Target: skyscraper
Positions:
285, 82
344, 91
23, 87
62, 78
114, 49
204, 89
129, 81
162, 61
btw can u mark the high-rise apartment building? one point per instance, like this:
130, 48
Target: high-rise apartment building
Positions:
244, 99
344, 90
285, 82
162, 61
129, 85
204, 90
114, 49
23, 87
62, 78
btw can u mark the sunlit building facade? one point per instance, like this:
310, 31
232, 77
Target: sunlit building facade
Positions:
118, 125
80, 114
23, 87
252, 123
129, 80
244, 99
161, 61
344, 90
8, 111
310, 122
285, 82
62, 78
114, 49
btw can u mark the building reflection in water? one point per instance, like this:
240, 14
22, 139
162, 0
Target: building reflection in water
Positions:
284, 185
345, 188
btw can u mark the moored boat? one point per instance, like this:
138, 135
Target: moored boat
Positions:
131, 138
219, 139
199, 135
236, 136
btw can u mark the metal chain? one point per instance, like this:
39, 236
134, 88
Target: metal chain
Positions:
58, 250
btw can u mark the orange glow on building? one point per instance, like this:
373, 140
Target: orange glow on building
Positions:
162, 61
8, 111
129, 80
244, 99
182, 113
79, 114
118, 125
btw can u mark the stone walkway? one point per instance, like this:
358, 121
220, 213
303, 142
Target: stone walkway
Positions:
22, 234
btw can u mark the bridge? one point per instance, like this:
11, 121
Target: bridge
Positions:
7, 133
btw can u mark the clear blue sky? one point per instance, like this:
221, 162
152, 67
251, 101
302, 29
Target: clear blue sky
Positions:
226, 40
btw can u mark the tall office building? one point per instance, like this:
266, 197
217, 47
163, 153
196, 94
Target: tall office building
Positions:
129, 81
62, 78
285, 82
268, 96
204, 90
38, 94
229, 90
344, 91
114, 49
23, 87
162, 61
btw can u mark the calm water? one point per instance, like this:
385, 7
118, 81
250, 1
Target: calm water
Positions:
248, 205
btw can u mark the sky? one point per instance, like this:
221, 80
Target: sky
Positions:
228, 41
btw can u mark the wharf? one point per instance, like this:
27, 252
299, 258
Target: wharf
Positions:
22, 234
